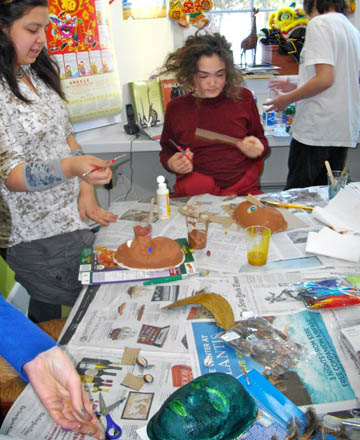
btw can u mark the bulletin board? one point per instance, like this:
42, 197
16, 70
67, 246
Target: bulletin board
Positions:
79, 39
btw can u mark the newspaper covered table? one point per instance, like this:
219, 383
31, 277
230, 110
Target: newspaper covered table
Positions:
182, 343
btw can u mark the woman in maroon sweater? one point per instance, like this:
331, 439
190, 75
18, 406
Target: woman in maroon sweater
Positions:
215, 101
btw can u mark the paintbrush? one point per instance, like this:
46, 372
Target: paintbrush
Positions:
99, 168
288, 205
330, 173
340, 178
182, 151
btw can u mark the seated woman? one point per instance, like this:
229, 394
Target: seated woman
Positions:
215, 101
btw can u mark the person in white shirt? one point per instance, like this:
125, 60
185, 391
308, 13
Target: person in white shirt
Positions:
327, 120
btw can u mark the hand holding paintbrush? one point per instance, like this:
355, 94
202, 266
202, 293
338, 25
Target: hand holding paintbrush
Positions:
110, 162
181, 163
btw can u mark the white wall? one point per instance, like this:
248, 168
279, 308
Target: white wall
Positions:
141, 45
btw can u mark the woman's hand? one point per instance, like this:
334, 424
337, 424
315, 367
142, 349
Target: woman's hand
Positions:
88, 207
80, 165
58, 385
250, 146
181, 163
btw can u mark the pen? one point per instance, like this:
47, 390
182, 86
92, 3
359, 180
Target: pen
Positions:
98, 168
182, 151
288, 205
163, 280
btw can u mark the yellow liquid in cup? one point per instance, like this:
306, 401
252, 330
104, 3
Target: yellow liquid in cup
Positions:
256, 258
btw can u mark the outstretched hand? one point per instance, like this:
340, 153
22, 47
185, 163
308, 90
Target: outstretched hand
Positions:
282, 84
279, 103
181, 163
58, 386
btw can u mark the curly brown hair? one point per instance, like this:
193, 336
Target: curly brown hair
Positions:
182, 64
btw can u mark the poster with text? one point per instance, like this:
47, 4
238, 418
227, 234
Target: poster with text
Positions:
79, 39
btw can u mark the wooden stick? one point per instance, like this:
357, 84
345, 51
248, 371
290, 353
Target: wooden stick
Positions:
213, 137
151, 211
340, 178
250, 198
331, 176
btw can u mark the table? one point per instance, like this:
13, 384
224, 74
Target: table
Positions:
111, 320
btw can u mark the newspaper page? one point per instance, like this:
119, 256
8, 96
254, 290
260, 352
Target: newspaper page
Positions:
139, 400
123, 312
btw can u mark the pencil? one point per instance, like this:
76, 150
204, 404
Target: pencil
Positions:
288, 205
99, 168
182, 151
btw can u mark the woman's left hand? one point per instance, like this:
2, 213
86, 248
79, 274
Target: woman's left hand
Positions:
88, 207
250, 146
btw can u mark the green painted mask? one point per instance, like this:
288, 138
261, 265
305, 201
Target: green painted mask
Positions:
211, 407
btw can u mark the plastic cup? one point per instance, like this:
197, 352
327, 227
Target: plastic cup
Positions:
339, 183
197, 231
257, 244
143, 229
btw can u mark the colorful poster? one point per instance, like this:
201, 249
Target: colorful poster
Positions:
79, 38
144, 9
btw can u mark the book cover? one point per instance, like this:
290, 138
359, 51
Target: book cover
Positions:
147, 102
97, 267
169, 90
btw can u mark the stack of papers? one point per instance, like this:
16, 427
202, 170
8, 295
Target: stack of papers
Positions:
339, 213
339, 216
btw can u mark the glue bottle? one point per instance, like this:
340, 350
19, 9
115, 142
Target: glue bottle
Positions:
163, 198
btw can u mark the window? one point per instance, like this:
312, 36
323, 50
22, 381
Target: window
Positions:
232, 18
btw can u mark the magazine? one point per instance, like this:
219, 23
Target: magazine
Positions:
98, 267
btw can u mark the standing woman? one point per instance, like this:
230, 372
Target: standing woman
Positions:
215, 101
43, 204
327, 119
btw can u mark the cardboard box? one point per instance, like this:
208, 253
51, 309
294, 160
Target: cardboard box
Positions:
287, 63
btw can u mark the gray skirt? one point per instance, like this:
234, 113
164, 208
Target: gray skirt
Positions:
49, 268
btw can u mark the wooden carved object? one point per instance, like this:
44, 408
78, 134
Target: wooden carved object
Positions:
250, 42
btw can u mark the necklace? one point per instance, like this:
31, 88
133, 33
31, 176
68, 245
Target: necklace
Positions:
20, 73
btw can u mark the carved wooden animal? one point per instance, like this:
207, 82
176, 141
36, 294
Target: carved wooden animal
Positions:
250, 42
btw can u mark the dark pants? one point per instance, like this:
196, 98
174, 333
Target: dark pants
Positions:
307, 164
48, 269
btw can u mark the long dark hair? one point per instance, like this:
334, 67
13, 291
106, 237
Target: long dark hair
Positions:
44, 67
325, 5
183, 62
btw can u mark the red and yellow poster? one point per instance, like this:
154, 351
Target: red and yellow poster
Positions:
79, 38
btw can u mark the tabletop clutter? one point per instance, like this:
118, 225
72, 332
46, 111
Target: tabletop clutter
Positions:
258, 274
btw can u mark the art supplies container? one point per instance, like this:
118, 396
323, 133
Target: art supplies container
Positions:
163, 198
